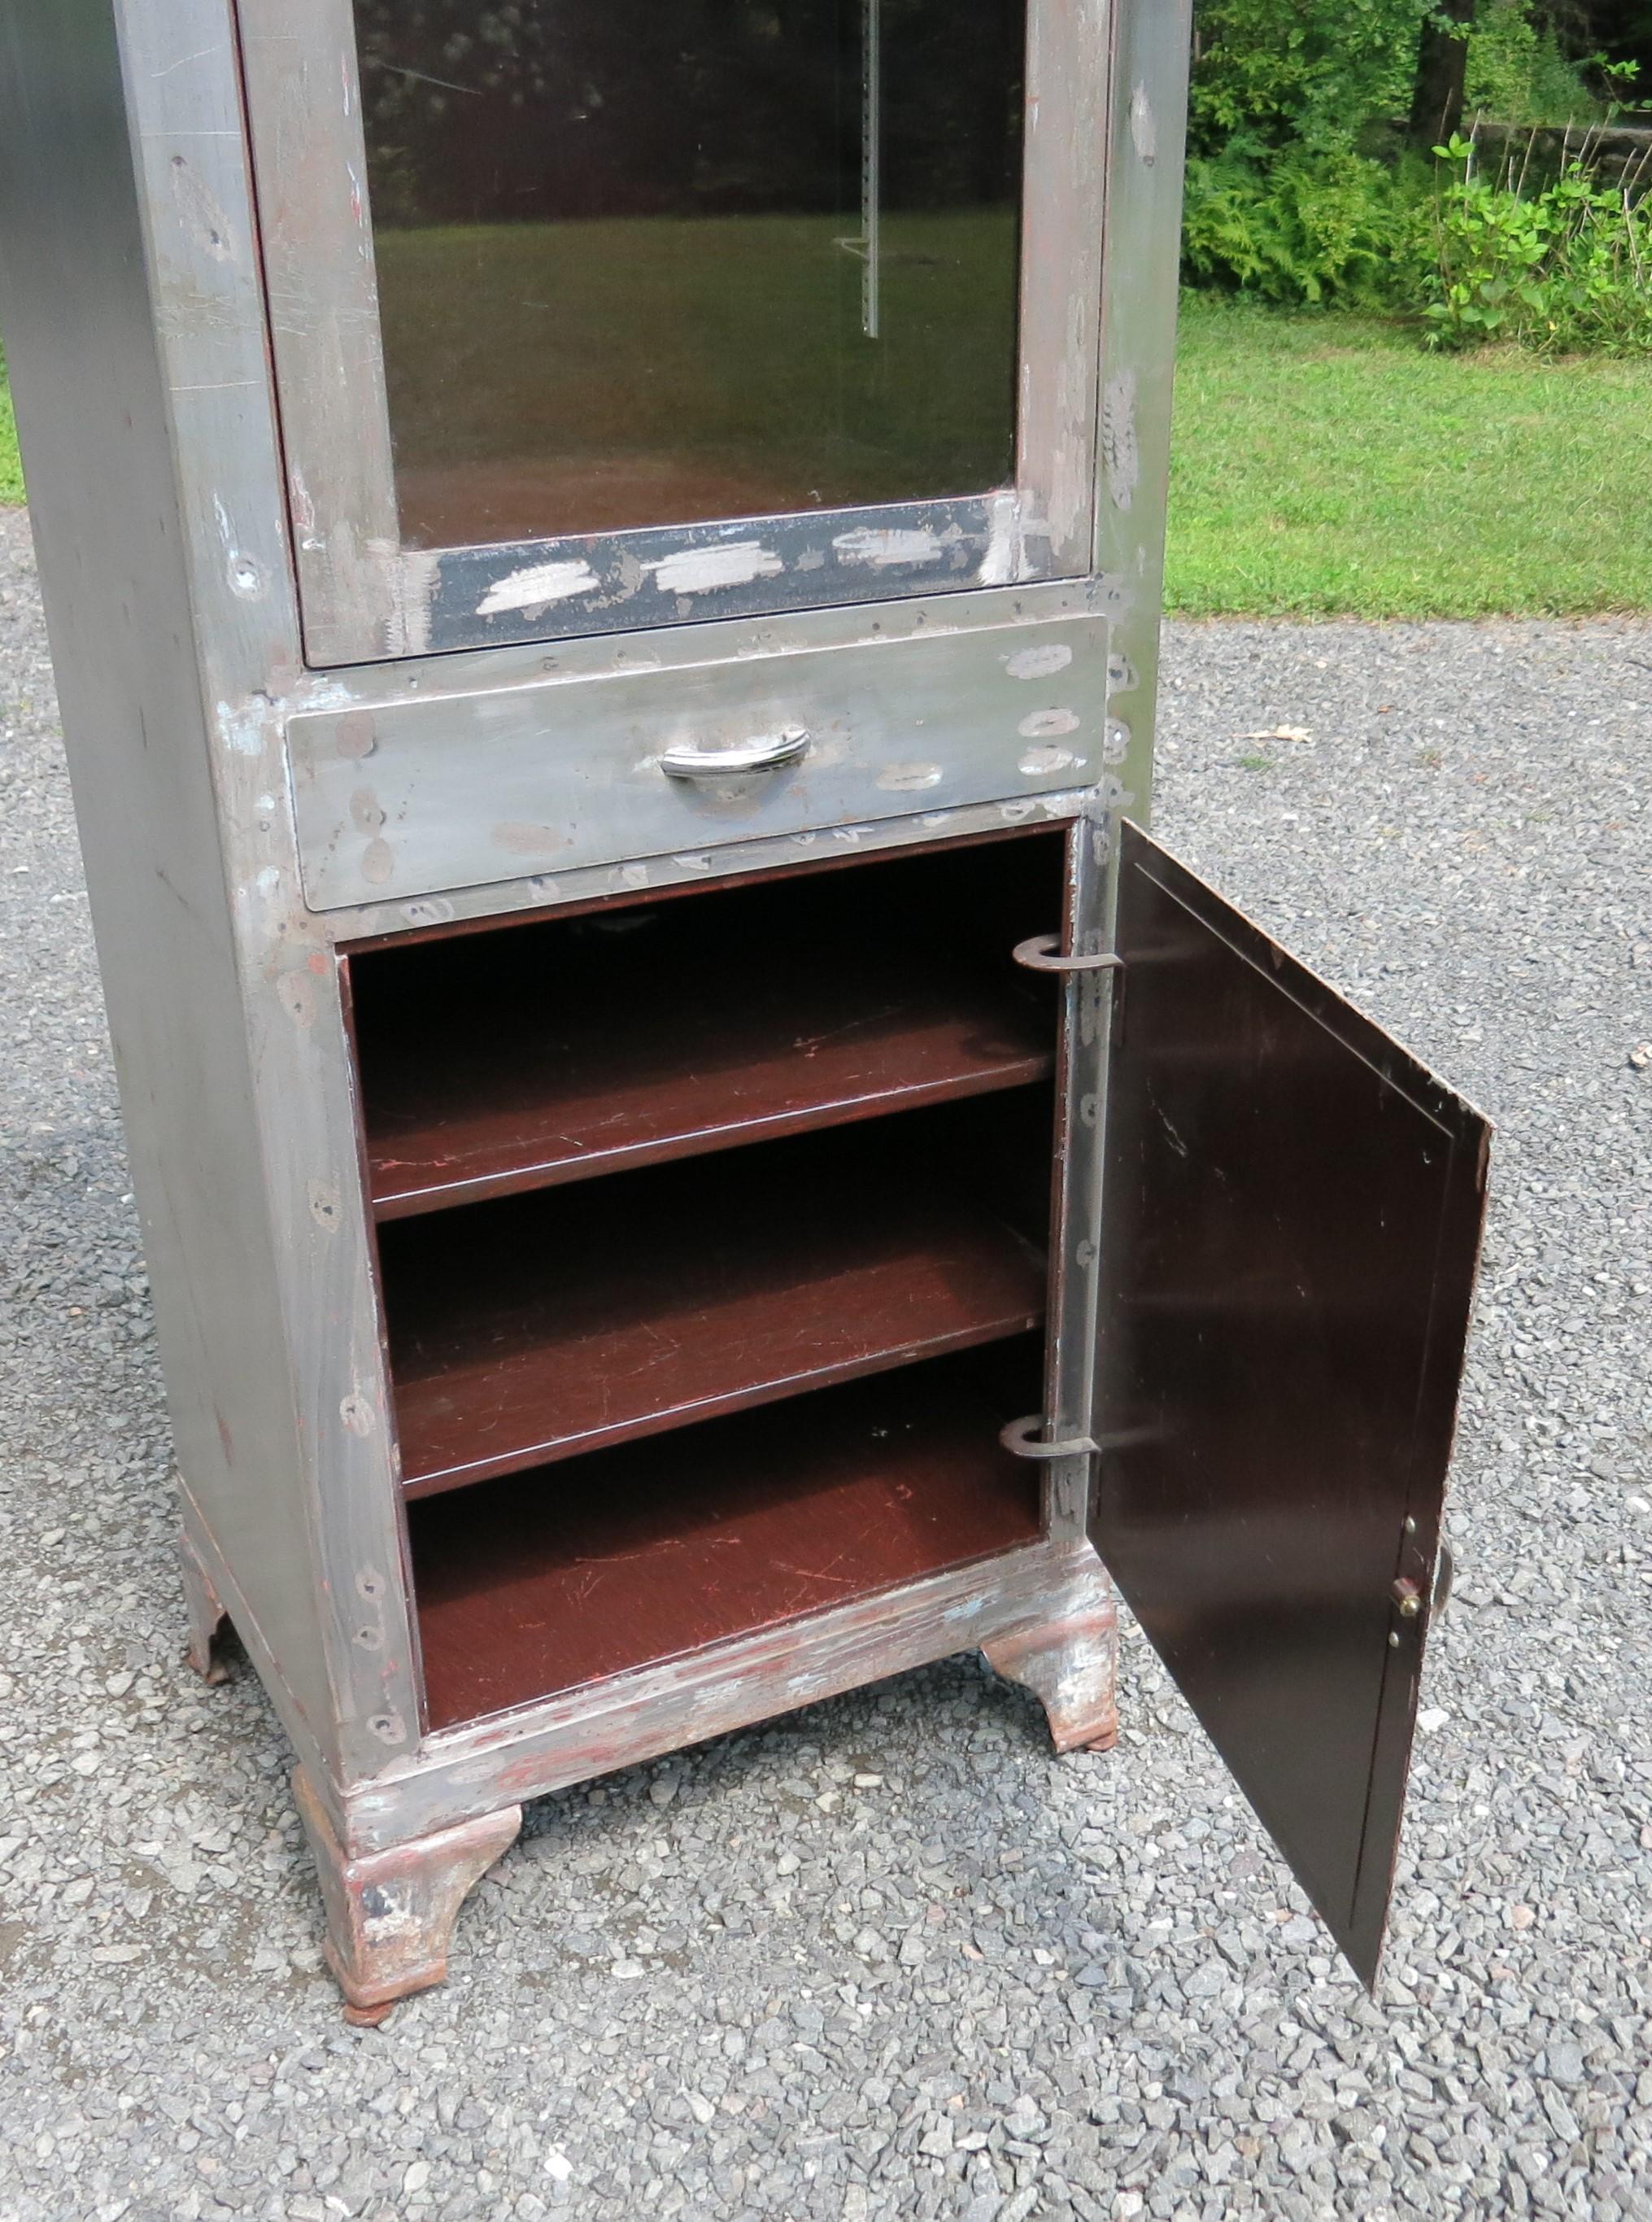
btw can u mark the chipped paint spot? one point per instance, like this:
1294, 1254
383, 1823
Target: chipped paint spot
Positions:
967, 1610
303, 511
325, 1205
1013, 813
1120, 674
409, 576
242, 731
1040, 662
246, 578
1121, 456
1116, 745
396, 1920
538, 586
703, 570
296, 992
378, 862
1039, 762
1144, 129
529, 840
366, 814
1006, 560
908, 778
882, 548
1049, 725
356, 737
201, 212
633, 876
268, 882
436, 911
692, 864
358, 1414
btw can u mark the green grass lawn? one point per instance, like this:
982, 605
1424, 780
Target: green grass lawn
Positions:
11, 471
1325, 465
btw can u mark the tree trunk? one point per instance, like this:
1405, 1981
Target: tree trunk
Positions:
1441, 63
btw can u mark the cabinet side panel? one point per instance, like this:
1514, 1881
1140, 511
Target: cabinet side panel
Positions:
1152, 42
91, 410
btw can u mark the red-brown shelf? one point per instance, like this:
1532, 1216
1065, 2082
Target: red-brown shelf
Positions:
546, 1054
497, 1113
531, 1329
549, 1580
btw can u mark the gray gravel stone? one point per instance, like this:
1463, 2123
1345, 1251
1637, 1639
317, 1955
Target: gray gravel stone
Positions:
757, 1983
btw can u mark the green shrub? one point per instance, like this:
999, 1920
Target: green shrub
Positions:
1312, 72
1309, 225
1517, 72
1567, 269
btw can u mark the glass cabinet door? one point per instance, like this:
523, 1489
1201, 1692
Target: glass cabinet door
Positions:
591, 315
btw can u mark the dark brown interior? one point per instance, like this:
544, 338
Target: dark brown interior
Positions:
714, 1252
549, 1051
628, 1557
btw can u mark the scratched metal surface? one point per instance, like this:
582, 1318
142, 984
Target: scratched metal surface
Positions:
888, 1958
365, 597
419, 798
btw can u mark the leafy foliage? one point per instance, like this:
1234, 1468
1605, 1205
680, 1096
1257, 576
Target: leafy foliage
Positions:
1517, 72
1297, 196
1564, 269
1310, 74
1312, 224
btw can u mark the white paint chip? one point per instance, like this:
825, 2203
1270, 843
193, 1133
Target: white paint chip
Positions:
908, 778
1049, 725
701, 570
539, 585
1144, 130
882, 549
1042, 662
1039, 762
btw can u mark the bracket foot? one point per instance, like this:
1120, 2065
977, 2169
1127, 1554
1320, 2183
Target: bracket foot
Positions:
207, 1618
1070, 1665
390, 1914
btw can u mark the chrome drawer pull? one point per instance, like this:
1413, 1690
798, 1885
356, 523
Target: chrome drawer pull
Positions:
684, 759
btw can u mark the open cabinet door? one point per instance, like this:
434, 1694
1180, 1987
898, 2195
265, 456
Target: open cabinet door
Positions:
1290, 1222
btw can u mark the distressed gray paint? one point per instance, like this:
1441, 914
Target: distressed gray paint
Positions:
1152, 42
365, 597
161, 510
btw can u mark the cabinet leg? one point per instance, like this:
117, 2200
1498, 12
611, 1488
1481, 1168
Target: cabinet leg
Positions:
390, 1914
206, 1617
1070, 1665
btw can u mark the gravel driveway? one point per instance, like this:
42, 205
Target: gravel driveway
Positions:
886, 1957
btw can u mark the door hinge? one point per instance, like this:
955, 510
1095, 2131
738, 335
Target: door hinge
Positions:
1021, 1437
1408, 1598
1041, 954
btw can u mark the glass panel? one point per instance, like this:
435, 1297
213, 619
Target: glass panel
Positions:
659, 261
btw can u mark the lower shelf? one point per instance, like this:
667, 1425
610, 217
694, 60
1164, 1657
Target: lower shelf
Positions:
626, 1558
540, 1328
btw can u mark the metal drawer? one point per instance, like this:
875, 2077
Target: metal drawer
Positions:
417, 797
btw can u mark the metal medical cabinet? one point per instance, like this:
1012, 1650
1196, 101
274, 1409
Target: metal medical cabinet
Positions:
603, 565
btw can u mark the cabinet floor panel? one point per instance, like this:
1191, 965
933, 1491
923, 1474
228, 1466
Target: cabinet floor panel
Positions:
634, 1556
542, 1053
529, 1329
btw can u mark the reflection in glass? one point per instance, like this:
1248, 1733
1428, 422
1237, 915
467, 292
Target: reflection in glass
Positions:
658, 261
